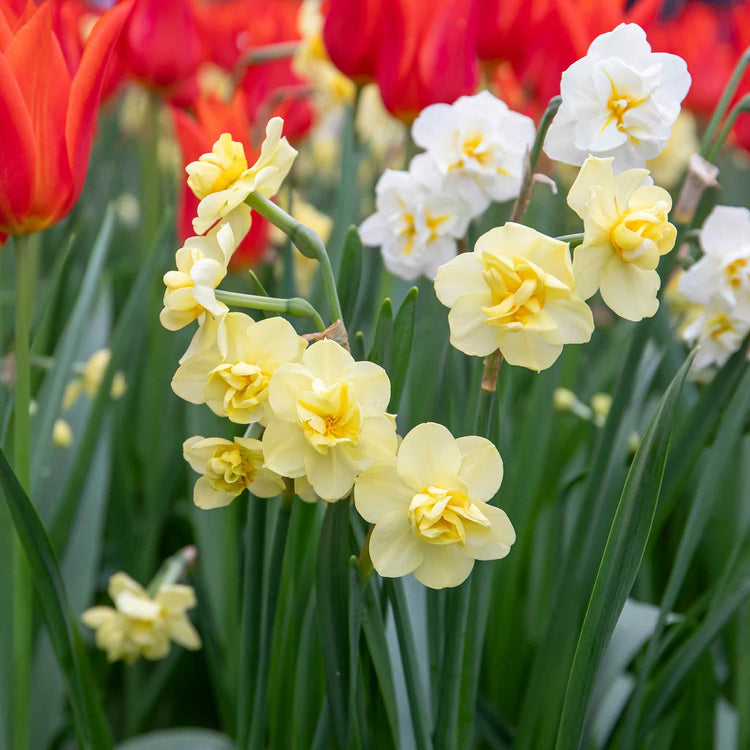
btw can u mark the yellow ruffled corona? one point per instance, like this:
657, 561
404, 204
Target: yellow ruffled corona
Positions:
140, 624
626, 231
430, 507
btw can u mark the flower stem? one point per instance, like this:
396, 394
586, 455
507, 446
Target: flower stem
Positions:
22, 591
257, 738
395, 590
726, 98
296, 306
743, 105
305, 240
172, 569
573, 239
268, 52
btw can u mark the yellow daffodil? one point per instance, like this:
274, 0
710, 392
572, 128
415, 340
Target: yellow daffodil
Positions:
430, 507
91, 378
231, 376
668, 167
62, 434
201, 265
221, 180
142, 625
228, 468
515, 293
626, 231
329, 419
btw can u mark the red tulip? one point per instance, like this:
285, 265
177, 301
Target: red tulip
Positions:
196, 135
48, 118
498, 37
351, 33
428, 55
161, 45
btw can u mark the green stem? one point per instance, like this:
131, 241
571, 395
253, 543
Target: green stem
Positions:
22, 591
724, 102
172, 569
296, 306
743, 105
573, 239
395, 590
305, 240
267, 52
257, 738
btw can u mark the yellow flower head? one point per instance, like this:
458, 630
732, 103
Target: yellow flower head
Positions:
62, 434
329, 419
91, 378
626, 231
231, 375
201, 265
668, 167
221, 179
142, 625
229, 468
430, 507
514, 293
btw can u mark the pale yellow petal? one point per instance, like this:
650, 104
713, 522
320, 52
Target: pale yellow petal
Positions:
394, 549
443, 565
331, 474
481, 467
285, 387
630, 291
529, 350
181, 631
273, 342
495, 541
589, 261
189, 382
284, 448
574, 322
461, 276
380, 491
207, 498
429, 456
327, 360
469, 330
595, 173
373, 387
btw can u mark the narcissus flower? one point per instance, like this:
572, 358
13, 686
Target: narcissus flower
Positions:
430, 507
91, 377
718, 331
48, 117
232, 375
201, 265
228, 468
474, 147
619, 100
415, 227
626, 231
724, 270
671, 164
329, 419
515, 293
140, 624
221, 180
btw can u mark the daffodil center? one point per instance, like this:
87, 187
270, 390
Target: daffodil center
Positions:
441, 516
519, 290
245, 383
230, 172
230, 466
330, 415
737, 273
619, 105
637, 235
472, 147
719, 326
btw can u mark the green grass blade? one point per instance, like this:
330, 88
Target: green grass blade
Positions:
619, 565
91, 725
185, 739
403, 338
356, 606
350, 273
381, 343
52, 391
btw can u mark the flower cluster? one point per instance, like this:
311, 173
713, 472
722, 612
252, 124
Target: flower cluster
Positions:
474, 154
718, 288
141, 624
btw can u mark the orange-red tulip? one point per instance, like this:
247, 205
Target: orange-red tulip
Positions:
196, 135
428, 55
48, 117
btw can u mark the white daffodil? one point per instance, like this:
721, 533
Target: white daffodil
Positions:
619, 100
718, 331
415, 227
474, 147
724, 269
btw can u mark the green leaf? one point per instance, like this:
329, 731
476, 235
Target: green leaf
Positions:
52, 391
307, 703
381, 343
403, 338
356, 606
185, 739
259, 289
332, 595
619, 565
358, 346
122, 338
91, 725
350, 273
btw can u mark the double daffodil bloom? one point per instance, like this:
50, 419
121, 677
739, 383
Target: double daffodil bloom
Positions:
626, 231
221, 179
429, 507
515, 293
201, 265
142, 625
91, 378
232, 374
228, 468
329, 419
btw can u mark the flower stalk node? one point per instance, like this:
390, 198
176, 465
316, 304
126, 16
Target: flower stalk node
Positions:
336, 332
701, 175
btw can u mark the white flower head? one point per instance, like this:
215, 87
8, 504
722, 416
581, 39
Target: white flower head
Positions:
718, 331
724, 270
415, 227
619, 100
474, 147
